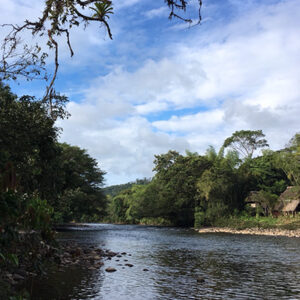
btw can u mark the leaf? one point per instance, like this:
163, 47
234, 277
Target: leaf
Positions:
14, 259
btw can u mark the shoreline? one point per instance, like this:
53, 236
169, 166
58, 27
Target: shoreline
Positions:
252, 231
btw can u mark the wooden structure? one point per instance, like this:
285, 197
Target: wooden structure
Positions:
289, 201
252, 199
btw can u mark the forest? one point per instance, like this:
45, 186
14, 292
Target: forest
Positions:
199, 190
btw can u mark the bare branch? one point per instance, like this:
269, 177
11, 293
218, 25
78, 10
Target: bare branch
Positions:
68, 41
88, 18
49, 88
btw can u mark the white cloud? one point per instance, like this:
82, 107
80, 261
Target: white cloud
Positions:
200, 122
125, 148
243, 75
157, 12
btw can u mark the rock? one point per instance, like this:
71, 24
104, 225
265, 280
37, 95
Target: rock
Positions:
111, 253
123, 253
200, 280
129, 265
145, 270
99, 264
110, 269
99, 251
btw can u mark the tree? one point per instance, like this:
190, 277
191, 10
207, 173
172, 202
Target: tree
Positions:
79, 181
27, 141
266, 174
288, 160
57, 18
176, 180
219, 190
246, 142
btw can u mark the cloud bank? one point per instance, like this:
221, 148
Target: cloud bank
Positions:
195, 90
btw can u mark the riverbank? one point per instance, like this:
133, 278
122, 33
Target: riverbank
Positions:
252, 231
15, 282
282, 226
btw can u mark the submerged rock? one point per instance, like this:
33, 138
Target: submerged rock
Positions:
200, 280
129, 265
110, 269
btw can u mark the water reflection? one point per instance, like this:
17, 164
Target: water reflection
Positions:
68, 283
182, 265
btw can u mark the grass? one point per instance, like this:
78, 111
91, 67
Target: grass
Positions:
245, 222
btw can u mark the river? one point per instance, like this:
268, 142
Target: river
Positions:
181, 264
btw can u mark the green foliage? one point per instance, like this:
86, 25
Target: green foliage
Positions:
199, 218
266, 174
114, 190
79, 182
246, 142
103, 9
288, 160
244, 221
155, 222
200, 190
27, 142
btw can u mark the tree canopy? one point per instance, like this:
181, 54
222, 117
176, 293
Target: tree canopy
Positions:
246, 142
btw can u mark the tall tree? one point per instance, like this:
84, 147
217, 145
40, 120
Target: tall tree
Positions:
27, 140
288, 159
246, 142
80, 183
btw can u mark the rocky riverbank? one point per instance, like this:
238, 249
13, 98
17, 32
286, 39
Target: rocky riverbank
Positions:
253, 231
56, 258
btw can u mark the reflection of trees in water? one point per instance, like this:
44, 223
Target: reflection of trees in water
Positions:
227, 275
69, 283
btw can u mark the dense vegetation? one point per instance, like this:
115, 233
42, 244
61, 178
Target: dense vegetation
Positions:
114, 190
41, 182
198, 190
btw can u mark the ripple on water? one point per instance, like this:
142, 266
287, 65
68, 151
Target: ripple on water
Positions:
231, 266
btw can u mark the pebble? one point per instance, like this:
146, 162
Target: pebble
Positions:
254, 231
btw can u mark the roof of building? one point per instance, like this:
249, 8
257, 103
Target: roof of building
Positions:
252, 197
291, 193
291, 206
289, 199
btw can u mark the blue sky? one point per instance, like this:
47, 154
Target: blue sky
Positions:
159, 85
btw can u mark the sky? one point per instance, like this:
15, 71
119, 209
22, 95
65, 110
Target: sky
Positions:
161, 85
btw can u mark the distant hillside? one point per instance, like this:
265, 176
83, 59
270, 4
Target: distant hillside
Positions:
114, 190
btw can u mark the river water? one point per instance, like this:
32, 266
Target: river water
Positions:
181, 263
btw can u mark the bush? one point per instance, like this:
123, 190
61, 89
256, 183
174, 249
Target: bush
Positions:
156, 221
199, 219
